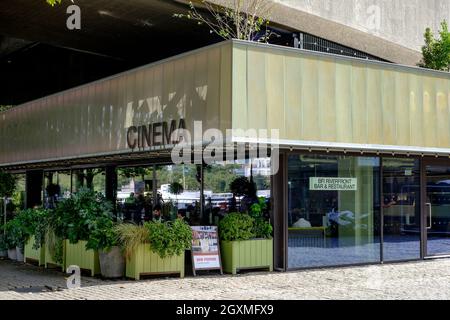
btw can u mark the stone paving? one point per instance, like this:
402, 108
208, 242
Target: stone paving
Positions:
415, 280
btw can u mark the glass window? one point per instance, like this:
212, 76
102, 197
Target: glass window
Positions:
56, 186
401, 209
333, 210
221, 199
92, 178
135, 193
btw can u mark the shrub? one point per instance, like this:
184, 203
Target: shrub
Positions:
170, 238
76, 217
102, 234
236, 227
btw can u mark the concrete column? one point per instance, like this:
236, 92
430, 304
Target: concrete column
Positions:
34, 186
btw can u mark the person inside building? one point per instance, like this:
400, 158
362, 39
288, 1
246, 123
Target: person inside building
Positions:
157, 213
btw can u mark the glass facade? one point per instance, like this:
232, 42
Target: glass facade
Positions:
333, 210
401, 209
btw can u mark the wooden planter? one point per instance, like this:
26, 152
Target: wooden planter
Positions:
35, 255
76, 254
144, 262
249, 254
49, 261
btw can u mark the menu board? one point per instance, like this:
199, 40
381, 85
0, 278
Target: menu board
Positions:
205, 248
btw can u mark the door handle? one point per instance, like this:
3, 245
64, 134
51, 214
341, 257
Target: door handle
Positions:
429, 215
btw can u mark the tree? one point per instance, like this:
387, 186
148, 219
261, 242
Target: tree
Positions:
244, 20
436, 51
53, 2
4, 108
7, 184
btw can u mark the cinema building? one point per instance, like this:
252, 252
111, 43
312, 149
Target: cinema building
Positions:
363, 168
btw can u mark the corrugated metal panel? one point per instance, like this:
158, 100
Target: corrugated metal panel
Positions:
328, 101
93, 119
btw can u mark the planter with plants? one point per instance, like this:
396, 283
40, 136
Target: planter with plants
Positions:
34, 222
80, 216
155, 248
104, 239
15, 239
246, 241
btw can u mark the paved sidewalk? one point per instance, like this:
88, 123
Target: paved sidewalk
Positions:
418, 280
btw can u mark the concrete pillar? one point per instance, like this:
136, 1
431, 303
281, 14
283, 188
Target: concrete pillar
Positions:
34, 187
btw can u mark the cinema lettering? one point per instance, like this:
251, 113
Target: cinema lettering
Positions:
154, 134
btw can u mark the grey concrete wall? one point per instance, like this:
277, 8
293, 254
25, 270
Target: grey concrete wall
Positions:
399, 21
389, 29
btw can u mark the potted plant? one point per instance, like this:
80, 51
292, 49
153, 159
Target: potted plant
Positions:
104, 239
14, 240
155, 248
246, 242
80, 215
36, 223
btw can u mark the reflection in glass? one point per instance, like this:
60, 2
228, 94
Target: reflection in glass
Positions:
92, 178
401, 209
437, 208
56, 187
333, 213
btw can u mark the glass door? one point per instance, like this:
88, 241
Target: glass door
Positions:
436, 215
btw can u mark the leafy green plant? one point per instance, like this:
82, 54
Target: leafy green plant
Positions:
102, 234
175, 188
262, 228
170, 238
236, 226
436, 51
7, 184
15, 236
79, 215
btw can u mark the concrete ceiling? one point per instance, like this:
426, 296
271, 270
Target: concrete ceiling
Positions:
117, 28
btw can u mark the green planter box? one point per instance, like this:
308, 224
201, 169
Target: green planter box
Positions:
76, 254
144, 262
249, 254
37, 255
49, 261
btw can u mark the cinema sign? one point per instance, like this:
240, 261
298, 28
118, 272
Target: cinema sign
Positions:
154, 134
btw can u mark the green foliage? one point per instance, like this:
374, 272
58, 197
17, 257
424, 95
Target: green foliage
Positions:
236, 227
15, 234
257, 209
39, 226
170, 238
262, 228
5, 108
436, 51
240, 186
53, 2
81, 214
175, 188
7, 184
165, 238
102, 234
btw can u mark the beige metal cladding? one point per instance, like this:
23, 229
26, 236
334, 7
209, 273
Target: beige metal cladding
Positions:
93, 119
330, 101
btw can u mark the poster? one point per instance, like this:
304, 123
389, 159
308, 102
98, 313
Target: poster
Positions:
205, 248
